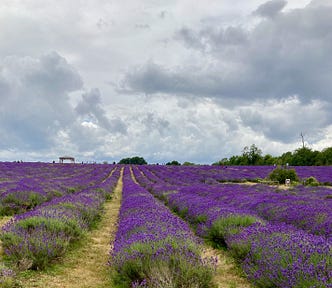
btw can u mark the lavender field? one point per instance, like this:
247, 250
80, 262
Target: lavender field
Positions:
280, 236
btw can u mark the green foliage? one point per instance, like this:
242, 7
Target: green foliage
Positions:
311, 181
183, 212
252, 155
240, 250
303, 156
326, 156
281, 174
71, 190
172, 270
7, 278
227, 226
33, 250
174, 162
188, 163
69, 226
20, 202
54, 193
40, 240
133, 160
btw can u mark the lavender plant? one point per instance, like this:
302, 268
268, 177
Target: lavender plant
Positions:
283, 256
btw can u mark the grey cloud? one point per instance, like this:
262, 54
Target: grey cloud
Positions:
53, 74
163, 14
102, 24
32, 113
317, 3
270, 8
286, 119
4, 88
91, 106
154, 122
279, 57
212, 39
190, 38
142, 26
153, 78
86, 139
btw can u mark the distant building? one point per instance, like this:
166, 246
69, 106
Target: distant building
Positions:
69, 158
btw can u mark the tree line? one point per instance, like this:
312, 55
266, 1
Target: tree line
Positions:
303, 156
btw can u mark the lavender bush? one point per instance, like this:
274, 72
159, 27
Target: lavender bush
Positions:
283, 256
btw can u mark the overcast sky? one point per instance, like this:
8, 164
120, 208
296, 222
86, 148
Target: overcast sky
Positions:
166, 80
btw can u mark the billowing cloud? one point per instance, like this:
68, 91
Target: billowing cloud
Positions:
90, 106
279, 57
35, 99
36, 110
286, 119
270, 8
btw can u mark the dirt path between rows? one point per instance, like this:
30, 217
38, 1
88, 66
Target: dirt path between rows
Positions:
3, 221
228, 274
86, 266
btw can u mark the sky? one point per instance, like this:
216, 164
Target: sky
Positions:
183, 80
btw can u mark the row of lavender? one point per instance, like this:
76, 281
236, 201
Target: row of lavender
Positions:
23, 186
252, 222
212, 174
153, 247
33, 239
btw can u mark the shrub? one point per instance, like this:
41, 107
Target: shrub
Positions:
35, 248
166, 263
311, 181
289, 260
20, 201
69, 227
281, 174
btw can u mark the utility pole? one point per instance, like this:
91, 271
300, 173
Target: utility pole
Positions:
302, 136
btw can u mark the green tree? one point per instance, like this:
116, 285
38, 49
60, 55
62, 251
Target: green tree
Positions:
187, 163
281, 174
133, 160
268, 160
304, 157
326, 156
285, 158
251, 155
174, 162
